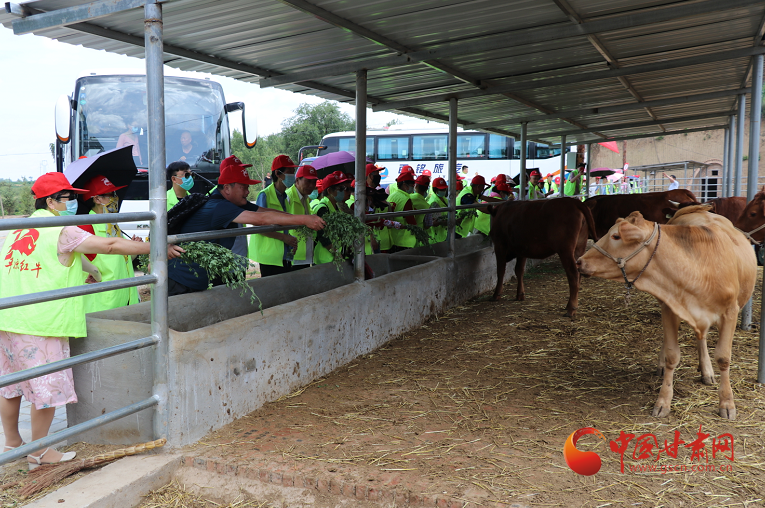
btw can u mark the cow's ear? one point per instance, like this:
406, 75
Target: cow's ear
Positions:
619, 220
630, 233
635, 218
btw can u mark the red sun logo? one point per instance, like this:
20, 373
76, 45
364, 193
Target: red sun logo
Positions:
583, 463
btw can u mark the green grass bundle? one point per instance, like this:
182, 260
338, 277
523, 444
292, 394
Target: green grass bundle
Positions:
342, 230
422, 236
466, 214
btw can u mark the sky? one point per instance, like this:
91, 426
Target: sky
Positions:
37, 70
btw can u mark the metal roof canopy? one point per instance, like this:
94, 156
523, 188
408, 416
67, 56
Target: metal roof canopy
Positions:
587, 69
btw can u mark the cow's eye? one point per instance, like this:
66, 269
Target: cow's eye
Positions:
752, 214
616, 237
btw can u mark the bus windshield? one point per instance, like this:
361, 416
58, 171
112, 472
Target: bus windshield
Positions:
112, 113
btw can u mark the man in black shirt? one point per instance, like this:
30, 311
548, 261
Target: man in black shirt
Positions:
226, 208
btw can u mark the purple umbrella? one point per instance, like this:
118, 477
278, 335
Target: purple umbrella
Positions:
333, 159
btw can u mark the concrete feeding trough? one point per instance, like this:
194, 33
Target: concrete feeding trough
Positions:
227, 358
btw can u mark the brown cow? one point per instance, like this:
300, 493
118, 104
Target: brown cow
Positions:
752, 219
652, 205
730, 208
538, 229
665, 262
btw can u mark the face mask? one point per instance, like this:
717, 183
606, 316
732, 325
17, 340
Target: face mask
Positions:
441, 193
71, 208
314, 194
135, 130
289, 180
113, 205
504, 198
340, 196
376, 181
187, 183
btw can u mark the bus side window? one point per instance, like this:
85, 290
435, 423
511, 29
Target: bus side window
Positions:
498, 146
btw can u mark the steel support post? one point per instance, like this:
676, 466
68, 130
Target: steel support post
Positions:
731, 155
685, 176
724, 170
739, 144
562, 165
360, 198
452, 231
587, 170
155, 93
523, 193
753, 165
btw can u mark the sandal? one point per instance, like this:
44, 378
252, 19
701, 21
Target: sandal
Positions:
7, 448
66, 457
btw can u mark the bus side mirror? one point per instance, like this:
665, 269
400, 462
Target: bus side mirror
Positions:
63, 115
249, 124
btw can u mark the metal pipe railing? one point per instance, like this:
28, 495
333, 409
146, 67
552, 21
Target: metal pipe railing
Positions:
68, 363
69, 292
73, 220
63, 435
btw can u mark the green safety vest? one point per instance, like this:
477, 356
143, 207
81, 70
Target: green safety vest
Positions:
401, 237
438, 233
295, 207
532, 192
569, 188
466, 227
551, 185
112, 267
321, 254
483, 222
172, 199
419, 203
262, 249
30, 264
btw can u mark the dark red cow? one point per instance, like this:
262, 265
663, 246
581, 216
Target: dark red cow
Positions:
651, 205
538, 229
730, 208
752, 218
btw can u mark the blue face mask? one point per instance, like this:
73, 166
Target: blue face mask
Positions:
188, 183
339, 196
314, 194
71, 208
289, 180
135, 130
441, 193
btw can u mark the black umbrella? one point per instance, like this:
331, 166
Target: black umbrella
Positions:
117, 165
601, 172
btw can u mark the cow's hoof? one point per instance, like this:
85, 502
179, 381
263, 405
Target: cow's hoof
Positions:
708, 380
660, 411
497, 298
728, 413
660, 371
520, 297
571, 315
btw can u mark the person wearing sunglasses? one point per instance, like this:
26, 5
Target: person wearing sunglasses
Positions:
44, 259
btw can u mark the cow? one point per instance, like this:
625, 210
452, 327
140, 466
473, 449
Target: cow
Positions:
652, 205
700, 268
751, 221
538, 229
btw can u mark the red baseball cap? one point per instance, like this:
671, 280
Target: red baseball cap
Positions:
423, 180
371, 168
503, 187
282, 161
51, 183
335, 178
440, 183
460, 185
478, 180
406, 168
535, 173
406, 175
426, 172
500, 178
460, 177
307, 171
100, 185
232, 170
320, 186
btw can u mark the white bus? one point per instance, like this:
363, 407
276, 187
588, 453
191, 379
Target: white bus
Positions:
426, 149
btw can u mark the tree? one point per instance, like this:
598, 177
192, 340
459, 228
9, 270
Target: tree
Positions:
311, 123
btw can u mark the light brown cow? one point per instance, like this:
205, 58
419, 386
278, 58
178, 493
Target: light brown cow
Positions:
702, 271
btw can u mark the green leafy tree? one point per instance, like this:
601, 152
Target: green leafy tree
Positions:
310, 123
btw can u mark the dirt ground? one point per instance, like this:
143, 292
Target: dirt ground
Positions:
477, 404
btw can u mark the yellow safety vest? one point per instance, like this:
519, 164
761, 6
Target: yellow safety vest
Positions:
467, 224
321, 254
438, 233
112, 267
419, 203
401, 237
172, 199
30, 264
483, 222
262, 249
295, 207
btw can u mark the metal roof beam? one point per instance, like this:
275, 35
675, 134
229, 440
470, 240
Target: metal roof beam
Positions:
69, 15
614, 109
578, 78
633, 125
502, 40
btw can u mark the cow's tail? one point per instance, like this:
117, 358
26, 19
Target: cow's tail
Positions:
588, 217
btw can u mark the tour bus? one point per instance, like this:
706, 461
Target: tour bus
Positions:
108, 109
425, 149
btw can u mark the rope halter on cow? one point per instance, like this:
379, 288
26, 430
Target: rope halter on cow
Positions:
750, 233
621, 262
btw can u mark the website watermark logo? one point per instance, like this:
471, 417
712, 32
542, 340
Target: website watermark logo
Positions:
647, 447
